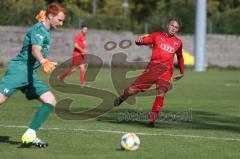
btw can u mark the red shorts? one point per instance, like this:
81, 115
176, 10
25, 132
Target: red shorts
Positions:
78, 59
155, 73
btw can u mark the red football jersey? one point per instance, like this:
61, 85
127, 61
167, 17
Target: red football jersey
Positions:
164, 49
81, 41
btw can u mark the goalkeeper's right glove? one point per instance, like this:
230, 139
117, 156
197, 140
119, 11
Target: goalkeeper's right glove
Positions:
48, 66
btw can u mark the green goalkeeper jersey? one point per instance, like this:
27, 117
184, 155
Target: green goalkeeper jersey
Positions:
39, 35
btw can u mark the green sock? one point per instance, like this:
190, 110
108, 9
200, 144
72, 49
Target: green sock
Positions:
41, 115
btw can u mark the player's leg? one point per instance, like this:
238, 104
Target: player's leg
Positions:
48, 103
141, 84
10, 84
81, 63
38, 91
156, 108
3, 98
82, 75
75, 64
68, 73
42, 113
162, 87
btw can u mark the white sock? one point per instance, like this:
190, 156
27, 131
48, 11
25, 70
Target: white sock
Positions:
30, 131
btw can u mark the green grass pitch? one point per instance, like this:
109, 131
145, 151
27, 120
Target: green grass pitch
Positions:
201, 119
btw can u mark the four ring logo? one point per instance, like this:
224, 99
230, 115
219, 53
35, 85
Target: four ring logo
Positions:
167, 48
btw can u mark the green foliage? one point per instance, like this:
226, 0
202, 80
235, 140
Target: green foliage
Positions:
19, 12
74, 14
179, 8
222, 15
227, 22
109, 14
107, 22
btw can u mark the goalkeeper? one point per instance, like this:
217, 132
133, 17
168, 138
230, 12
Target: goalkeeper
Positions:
21, 71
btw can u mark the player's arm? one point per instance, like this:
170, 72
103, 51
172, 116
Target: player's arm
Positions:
145, 40
36, 52
47, 65
180, 60
78, 47
77, 43
37, 42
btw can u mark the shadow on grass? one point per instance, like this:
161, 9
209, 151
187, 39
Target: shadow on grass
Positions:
176, 120
6, 139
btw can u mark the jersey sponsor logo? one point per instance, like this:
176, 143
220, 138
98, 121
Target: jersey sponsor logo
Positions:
40, 36
6, 90
167, 48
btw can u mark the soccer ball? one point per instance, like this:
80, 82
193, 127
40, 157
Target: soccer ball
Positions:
130, 142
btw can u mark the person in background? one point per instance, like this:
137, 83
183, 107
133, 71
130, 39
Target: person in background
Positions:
78, 56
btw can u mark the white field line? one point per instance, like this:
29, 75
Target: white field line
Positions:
123, 132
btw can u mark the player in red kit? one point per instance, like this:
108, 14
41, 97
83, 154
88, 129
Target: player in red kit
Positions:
161, 67
78, 55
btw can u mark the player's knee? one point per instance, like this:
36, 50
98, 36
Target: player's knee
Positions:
49, 98
133, 90
3, 98
52, 101
75, 68
161, 93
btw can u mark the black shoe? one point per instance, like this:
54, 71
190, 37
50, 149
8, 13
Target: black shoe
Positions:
118, 101
39, 143
151, 125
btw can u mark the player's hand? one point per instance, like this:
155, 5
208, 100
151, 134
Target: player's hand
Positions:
48, 66
84, 51
139, 40
177, 77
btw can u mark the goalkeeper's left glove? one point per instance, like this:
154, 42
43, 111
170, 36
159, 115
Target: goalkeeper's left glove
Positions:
41, 16
48, 66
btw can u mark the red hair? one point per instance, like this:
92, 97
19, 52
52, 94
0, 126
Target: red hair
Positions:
53, 8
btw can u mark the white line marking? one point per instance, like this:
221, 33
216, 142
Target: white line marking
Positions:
123, 132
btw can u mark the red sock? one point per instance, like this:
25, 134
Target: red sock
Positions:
134, 90
126, 94
157, 105
82, 77
68, 73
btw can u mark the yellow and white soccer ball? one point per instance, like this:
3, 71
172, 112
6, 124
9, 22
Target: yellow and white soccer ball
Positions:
130, 142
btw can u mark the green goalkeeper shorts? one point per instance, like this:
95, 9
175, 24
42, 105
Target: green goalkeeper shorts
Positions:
18, 77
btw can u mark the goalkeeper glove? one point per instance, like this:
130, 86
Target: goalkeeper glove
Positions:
41, 16
48, 66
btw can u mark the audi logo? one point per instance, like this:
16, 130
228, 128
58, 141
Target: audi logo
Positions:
167, 48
